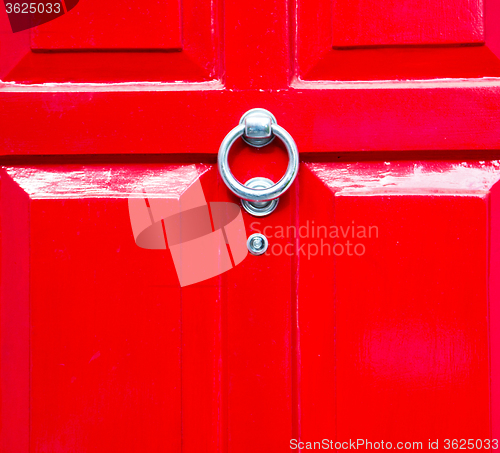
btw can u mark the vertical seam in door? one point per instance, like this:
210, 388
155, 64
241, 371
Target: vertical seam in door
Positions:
181, 23
212, 224
222, 364
334, 301
181, 370
222, 372
219, 12
226, 241
488, 317
151, 218
292, 40
296, 358
29, 328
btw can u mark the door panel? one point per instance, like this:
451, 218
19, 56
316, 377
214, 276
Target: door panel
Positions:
400, 339
116, 25
103, 371
401, 23
403, 40
104, 349
118, 42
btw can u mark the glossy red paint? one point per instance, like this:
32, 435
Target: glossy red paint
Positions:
101, 350
404, 40
328, 347
406, 333
14, 318
365, 23
117, 25
106, 44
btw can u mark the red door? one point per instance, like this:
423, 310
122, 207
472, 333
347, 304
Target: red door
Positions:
379, 322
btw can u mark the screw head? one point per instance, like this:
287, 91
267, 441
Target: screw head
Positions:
257, 244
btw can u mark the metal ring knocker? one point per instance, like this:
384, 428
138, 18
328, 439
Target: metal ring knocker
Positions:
258, 128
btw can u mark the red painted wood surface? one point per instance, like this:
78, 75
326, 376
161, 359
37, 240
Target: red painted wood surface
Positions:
335, 120
116, 25
93, 43
392, 344
14, 319
100, 348
403, 40
404, 339
401, 22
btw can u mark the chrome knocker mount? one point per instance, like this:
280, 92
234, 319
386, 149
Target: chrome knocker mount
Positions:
259, 196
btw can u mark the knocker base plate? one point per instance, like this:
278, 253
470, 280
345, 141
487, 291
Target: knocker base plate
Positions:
259, 208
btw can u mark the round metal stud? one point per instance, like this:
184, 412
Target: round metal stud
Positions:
257, 244
259, 208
